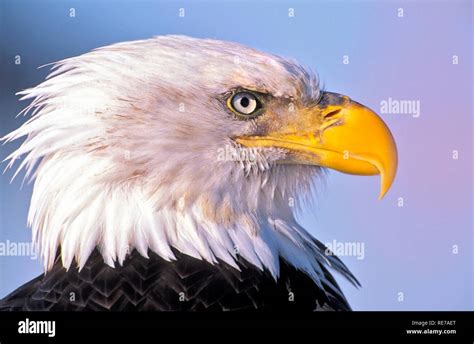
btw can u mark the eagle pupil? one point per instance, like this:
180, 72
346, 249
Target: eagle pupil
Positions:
244, 102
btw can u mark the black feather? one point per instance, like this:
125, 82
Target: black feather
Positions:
187, 284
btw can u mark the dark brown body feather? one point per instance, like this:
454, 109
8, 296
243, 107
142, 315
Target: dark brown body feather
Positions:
187, 284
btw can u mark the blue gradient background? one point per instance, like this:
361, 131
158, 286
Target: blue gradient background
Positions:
407, 249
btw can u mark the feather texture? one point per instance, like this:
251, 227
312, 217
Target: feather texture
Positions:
126, 140
188, 284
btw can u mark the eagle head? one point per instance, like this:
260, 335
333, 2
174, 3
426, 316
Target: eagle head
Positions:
196, 145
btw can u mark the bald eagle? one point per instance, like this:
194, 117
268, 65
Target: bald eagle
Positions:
163, 170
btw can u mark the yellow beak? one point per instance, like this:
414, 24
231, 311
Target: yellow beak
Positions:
338, 133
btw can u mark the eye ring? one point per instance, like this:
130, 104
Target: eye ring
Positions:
245, 104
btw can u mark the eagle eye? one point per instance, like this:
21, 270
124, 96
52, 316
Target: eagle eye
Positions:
245, 104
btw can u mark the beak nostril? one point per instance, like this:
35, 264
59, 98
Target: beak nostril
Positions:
332, 114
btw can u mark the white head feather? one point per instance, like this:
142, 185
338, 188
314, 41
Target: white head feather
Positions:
129, 139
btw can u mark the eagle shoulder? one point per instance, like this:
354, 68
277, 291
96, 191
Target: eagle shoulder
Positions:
187, 284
